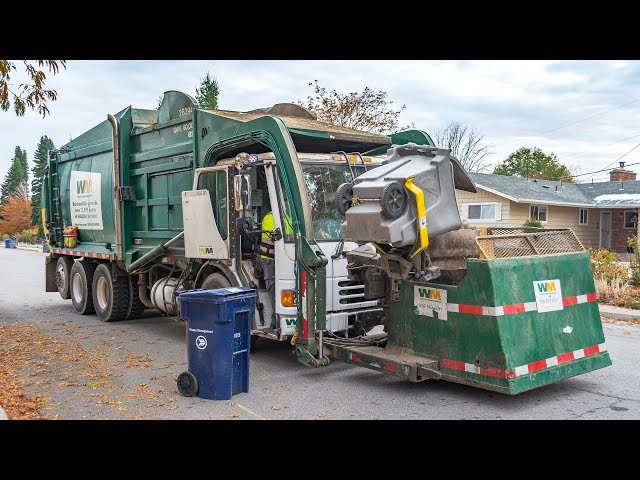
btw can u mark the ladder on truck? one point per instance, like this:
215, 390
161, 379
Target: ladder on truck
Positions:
57, 226
346, 159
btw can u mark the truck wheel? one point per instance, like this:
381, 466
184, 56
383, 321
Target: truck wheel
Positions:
80, 286
136, 307
215, 280
110, 294
63, 274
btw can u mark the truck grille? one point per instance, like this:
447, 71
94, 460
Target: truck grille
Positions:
351, 294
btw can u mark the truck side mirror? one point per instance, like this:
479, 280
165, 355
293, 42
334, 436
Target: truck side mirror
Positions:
241, 196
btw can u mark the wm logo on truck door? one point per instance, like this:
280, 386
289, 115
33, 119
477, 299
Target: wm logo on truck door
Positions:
205, 250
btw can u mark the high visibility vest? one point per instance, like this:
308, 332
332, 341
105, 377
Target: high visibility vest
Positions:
266, 244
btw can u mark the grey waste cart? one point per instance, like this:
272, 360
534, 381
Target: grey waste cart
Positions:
218, 341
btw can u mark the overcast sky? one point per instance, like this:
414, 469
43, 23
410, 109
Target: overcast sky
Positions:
513, 103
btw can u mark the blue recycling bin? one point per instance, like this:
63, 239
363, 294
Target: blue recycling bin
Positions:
7, 243
218, 341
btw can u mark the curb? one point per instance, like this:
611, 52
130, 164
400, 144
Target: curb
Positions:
619, 313
3, 415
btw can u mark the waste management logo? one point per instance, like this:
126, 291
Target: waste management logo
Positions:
204, 250
548, 295
85, 199
429, 300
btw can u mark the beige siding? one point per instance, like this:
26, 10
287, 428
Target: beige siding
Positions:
564, 217
515, 214
484, 197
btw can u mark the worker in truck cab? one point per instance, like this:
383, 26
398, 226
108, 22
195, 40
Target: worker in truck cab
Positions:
267, 257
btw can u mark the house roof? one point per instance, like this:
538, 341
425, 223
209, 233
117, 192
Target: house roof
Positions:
522, 190
613, 193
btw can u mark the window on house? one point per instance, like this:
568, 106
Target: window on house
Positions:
584, 216
630, 219
482, 211
538, 212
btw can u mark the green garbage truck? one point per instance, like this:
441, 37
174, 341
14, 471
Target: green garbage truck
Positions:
364, 232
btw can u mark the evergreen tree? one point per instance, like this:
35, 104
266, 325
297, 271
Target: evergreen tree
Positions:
40, 159
16, 183
207, 94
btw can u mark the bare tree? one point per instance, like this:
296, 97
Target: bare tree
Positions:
368, 110
466, 144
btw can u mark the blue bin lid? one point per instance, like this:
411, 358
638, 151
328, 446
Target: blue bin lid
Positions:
217, 295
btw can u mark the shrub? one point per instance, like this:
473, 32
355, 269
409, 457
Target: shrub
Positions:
610, 292
532, 222
634, 264
605, 266
25, 235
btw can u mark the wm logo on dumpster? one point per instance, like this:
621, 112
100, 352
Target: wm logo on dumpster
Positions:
546, 287
83, 186
430, 293
430, 302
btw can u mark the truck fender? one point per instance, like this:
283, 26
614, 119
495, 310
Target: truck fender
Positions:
213, 265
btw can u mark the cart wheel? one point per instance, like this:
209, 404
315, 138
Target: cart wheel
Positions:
344, 195
187, 384
394, 200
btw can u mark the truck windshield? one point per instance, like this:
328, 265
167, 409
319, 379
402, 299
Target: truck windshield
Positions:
322, 181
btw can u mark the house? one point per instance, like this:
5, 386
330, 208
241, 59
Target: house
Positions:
602, 215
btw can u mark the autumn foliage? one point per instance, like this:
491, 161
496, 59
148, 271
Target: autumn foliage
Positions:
368, 110
15, 215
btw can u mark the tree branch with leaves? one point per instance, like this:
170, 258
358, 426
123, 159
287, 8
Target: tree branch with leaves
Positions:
369, 111
33, 94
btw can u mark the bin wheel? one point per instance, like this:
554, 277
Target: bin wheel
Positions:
394, 200
344, 195
254, 341
187, 384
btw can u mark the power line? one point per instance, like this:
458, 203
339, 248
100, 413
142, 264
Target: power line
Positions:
607, 145
604, 169
589, 118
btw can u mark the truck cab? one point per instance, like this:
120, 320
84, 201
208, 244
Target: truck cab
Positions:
347, 309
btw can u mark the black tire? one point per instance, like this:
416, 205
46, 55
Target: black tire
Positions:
394, 200
136, 307
344, 195
215, 280
110, 294
187, 384
81, 286
63, 274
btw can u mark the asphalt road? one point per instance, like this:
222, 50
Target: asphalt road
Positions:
88, 369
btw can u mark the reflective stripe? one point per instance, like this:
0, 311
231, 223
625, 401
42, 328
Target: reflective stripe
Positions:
267, 250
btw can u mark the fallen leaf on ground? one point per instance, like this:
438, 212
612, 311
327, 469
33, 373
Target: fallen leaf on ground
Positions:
233, 415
